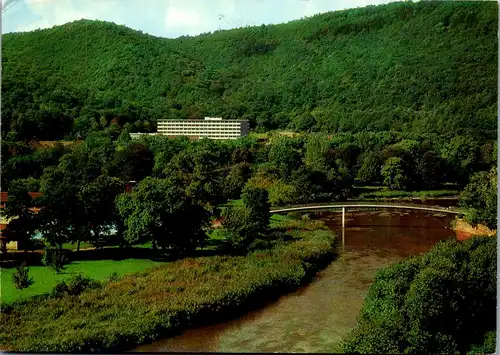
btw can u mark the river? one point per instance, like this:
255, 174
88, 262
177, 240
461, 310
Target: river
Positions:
317, 316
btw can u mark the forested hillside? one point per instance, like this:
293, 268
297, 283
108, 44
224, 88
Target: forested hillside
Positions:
423, 67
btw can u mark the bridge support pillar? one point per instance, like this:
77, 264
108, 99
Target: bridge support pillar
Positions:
343, 226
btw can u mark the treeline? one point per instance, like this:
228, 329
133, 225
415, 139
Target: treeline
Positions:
419, 67
181, 183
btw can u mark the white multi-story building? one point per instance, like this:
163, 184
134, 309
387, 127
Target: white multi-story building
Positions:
210, 127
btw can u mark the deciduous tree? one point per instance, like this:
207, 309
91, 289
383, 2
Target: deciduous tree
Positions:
24, 221
159, 210
370, 170
393, 174
480, 197
256, 200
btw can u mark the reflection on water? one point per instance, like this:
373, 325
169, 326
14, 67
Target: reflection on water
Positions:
316, 317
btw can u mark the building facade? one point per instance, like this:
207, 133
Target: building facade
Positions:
210, 127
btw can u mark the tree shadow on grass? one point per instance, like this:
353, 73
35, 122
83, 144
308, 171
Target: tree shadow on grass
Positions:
116, 254
211, 247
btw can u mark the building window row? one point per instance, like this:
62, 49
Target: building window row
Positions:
215, 129
205, 127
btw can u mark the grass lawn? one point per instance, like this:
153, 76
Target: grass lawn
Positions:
46, 278
180, 294
278, 218
72, 246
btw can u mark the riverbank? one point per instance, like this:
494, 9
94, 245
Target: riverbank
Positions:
168, 299
316, 317
465, 230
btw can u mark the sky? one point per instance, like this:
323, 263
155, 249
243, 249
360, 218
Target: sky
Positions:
166, 18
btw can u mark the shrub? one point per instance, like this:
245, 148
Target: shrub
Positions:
256, 201
114, 277
238, 228
261, 244
274, 238
21, 278
303, 223
74, 286
55, 258
408, 194
294, 215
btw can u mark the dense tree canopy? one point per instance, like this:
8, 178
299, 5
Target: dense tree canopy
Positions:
401, 95
420, 67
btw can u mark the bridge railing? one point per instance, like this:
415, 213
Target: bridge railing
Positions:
350, 206
347, 203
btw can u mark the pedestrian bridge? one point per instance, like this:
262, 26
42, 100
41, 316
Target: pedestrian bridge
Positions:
359, 205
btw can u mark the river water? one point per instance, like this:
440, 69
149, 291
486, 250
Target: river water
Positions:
317, 316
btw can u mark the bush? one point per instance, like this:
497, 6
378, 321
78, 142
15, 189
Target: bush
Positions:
55, 258
114, 277
294, 215
74, 286
21, 278
441, 302
302, 223
281, 193
261, 244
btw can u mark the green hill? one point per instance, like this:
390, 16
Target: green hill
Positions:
423, 67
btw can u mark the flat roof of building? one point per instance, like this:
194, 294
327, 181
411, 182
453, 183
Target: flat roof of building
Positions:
200, 120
